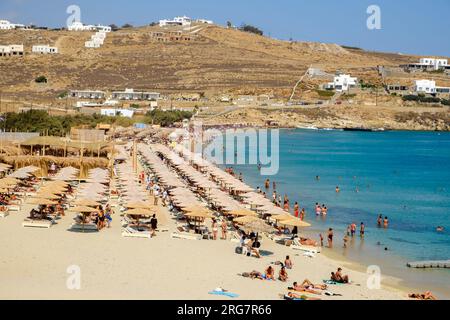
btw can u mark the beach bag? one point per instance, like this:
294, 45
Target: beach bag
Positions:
238, 250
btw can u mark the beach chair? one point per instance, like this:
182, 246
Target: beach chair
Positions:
43, 224
4, 214
13, 207
181, 233
87, 227
235, 238
296, 245
129, 232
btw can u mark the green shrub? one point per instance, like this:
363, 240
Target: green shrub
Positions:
251, 29
41, 79
325, 93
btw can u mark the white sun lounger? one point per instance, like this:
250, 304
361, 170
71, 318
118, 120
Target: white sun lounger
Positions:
132, 233
296, 245
44, 224
14, 207
186, 236
4, 214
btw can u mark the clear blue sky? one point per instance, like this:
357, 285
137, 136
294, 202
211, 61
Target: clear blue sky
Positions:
408, 26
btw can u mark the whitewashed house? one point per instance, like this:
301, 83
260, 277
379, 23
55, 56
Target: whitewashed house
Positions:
78, 26
177, 21
429, 87
87, 94
6, 25
117, 113
342, 82
425, 86
101, 28
44, 49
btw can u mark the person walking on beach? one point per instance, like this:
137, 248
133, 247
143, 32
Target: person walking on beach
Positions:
362, 230
154, 225
224, 227
330, 238
214, 229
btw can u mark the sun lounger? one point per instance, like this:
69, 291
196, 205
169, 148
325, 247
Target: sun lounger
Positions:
296, 245
84, 227
14, 207
129, 232
45, 224
4, 214
186, 236
235, 237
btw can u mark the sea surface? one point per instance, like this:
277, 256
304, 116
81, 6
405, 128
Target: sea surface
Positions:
402, 175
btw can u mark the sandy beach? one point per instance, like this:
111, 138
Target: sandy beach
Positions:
34, 262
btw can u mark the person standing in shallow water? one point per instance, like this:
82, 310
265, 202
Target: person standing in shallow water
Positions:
380, 221
296, 210
330, 238
267, 184
362, 230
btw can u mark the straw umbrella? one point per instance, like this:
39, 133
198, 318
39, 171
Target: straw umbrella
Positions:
139, 205
86, 203
294, 223
245, 219
258, 226
242, 213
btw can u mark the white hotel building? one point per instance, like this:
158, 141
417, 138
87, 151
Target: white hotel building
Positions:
429, 63
6, 25
78, 26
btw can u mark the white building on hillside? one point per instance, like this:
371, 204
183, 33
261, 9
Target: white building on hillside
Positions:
342, 82
44, 49
6, 25
78, 26
429, 87
429, 63
117, 113
11, 50
177, 21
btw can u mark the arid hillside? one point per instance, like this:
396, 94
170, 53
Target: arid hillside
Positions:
216, 60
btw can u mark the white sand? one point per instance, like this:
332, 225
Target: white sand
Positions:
33, 264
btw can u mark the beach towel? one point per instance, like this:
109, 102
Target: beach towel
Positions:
332, 283
286, 297
223, 293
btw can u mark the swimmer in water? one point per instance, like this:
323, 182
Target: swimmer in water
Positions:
338, 190
440, 229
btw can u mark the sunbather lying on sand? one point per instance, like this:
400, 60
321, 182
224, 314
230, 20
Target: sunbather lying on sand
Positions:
308, 242
425, 296
308, 287
294, 296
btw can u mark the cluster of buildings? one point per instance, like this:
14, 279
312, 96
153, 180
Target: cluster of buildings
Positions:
428, 64
78, 26
18, 50
97, 40
182, 21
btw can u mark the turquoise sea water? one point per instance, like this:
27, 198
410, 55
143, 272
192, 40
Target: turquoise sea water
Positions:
402, 175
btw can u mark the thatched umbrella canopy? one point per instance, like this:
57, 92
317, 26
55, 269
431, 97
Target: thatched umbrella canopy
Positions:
139, 205
87, 203
241, 213
245, 219
48, 196
258, 226
140, 212
294, 223
83, 209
